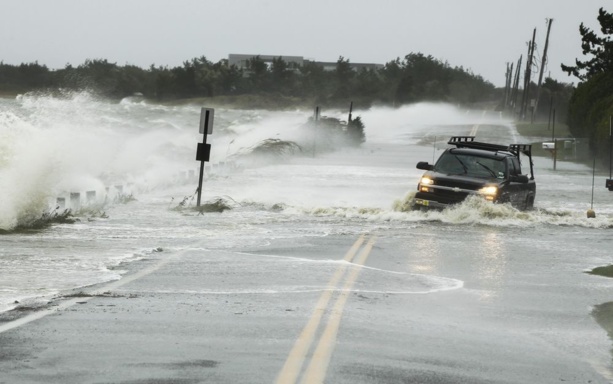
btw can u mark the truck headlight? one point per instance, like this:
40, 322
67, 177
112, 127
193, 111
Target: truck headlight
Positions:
424, 183
489, 192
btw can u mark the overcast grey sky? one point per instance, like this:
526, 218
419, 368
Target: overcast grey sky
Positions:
480, 35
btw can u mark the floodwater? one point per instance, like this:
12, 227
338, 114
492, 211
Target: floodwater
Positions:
139, 158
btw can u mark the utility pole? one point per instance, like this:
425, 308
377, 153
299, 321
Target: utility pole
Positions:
526, 94
507, 85
516, 84
543, 62
609, 181
553, 138
510, 83
550, 109
610, 146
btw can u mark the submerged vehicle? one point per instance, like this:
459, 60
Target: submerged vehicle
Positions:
492, 171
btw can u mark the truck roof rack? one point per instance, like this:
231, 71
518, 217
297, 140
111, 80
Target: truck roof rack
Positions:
469, 142
515, 149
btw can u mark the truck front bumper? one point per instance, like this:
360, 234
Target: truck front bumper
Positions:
419, 203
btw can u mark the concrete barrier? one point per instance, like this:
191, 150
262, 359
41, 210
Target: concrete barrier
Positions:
75, 200
90, 197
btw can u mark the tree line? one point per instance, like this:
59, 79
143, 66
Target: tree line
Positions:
416, 77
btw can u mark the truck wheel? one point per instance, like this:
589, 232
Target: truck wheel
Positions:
529, 203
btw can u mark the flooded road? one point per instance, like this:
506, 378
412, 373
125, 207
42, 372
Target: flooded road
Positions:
479, 293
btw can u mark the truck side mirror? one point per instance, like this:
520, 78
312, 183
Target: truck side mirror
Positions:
425, 166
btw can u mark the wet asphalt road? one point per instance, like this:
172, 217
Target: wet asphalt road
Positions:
425, 308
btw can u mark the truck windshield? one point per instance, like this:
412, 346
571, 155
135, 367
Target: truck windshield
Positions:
470, 165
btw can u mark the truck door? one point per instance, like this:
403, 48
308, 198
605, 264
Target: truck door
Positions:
518, 192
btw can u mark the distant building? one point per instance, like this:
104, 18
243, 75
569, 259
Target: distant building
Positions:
240, 60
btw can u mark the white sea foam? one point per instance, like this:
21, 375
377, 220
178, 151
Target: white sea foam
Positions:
51, 146
473, 211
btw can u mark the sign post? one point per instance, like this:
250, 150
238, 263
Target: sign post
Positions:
203, 152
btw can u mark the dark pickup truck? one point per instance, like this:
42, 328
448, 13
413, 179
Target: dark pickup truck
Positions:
474, 168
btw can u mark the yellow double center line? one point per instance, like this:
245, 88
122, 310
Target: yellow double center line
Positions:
316, 370
473, 132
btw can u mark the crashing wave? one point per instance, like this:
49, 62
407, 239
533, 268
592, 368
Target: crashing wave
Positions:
268, 149
34, 222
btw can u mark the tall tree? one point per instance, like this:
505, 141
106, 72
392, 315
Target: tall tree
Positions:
599, 47
592, 103
258, 74
344, 76
313, 81
282, 75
